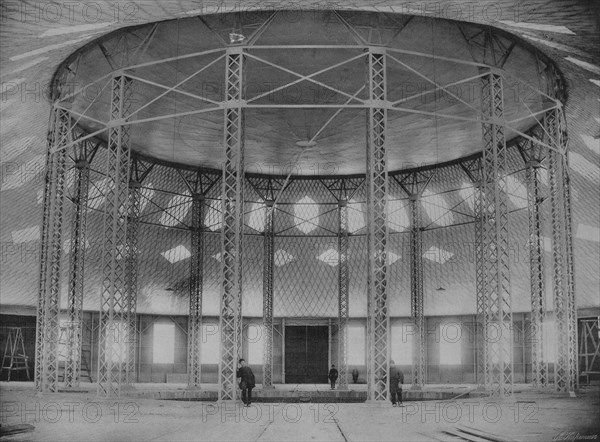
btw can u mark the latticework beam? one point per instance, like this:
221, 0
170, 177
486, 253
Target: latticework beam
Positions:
416, 292
132, 278
498, 311
343, 284
268, 268
115, 301
533, 155
565, 367
376, 184
76, 269
47, 333
233, 217
196, 282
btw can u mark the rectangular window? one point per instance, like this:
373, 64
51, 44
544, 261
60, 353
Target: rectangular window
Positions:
450, 344
210, 344
163, 343
402, 342
255, 344
356, 345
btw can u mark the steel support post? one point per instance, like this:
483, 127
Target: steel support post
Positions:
47, 332
533, 154
132, 279
565, 367
115, 301
343, 283
268, 268
196, 280
480, 292
232, 233
416, 292
495, 231
76, 272
376, 183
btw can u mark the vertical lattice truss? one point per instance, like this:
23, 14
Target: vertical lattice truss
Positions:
196, 282
132, 254
268, 268
416, 292
533, 154
343, 287
498, 311
376, 183
115, 297
82, 155
565, 367
233, 212
47, 333
474, 171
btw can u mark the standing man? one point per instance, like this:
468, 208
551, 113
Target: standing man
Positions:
333, 375
246, 381
396, 381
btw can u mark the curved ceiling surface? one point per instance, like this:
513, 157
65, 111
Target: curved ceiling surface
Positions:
300, 68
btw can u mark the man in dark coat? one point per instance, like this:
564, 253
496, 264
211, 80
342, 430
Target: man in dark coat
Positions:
396, 381
333, 375
246, 380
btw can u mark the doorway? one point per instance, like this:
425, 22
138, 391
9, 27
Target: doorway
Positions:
306, 354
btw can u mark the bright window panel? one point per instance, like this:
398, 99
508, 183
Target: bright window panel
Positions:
437, 209
256, 217
146, 194
178, 207
467, 193
210, 344
356, 216
97, 193
163, 343
255, 344
517, 192
357, 345
397, 215
214, 218
450, 344
306, 214
402, 342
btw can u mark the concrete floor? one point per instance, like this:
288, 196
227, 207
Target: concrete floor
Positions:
81, 416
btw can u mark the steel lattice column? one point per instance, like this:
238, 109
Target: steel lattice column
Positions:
376, 182
482, 373
115, 301
565, 367
232, 233
416, 292
196, 281
343, 283
268, 268
76, 273
47, 332
533, 154
132, 279
495, 231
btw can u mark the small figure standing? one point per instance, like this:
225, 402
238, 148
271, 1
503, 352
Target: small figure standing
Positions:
246, 382
396, 381
333, 375
355, 375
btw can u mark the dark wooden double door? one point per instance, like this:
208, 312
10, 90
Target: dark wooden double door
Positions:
306, 354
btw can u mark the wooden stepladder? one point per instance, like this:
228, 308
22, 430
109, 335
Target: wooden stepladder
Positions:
14, 353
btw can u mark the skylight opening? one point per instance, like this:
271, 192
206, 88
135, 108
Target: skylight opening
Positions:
213, 220
306, 214
584, 64
256, 217
281, 258
438, 255
467, 193
176, 254
177, 210
436, 208
592, 143
397, 218
585, 168
589, 233
97, 193
146, 194
356, 216
559, 29
517, 193
330, 257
